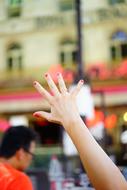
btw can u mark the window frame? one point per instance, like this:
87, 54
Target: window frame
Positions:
14, 54
67, 50
14, 9
67, 5
113, 2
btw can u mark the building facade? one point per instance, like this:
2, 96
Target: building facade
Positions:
36, 34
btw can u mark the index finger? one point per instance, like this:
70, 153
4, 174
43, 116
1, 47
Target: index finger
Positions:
42, 91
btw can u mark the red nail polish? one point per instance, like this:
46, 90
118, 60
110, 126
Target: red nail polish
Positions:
82, 81
36, 115
34, 83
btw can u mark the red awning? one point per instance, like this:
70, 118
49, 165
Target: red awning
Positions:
110, 89
19, 96
35, 95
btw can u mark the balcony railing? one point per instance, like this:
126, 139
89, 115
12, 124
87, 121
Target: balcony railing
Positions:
57, 20
21, 25
118, 11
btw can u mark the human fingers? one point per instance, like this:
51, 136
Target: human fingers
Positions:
61, 83
42, 91
52, 85
77, 88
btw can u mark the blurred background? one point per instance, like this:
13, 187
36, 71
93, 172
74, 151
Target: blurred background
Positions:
80, 39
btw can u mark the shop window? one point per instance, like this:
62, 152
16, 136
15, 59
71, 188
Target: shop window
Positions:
49, 133
113, 2
118, 47
119, 52
14, 57
14, 8
66, 5
68, 53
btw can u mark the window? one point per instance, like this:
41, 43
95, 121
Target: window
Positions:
118, 47
15, 2
66, 5
14, 8
124, 50
14, 57
113, 2
68, 53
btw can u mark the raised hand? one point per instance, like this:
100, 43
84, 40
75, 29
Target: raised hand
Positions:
62, 103
64, 110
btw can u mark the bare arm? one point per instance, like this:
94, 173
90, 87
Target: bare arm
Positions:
101, 170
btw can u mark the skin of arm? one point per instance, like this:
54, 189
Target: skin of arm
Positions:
103, 173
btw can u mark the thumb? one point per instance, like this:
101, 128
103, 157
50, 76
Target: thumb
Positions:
42, 114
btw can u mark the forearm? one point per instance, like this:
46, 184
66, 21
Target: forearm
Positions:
101, 170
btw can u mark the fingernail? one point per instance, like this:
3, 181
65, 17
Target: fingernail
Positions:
46, 74
58, 74
35, 82
82, 81
36, 114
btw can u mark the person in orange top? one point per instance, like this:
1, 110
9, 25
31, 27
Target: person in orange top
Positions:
16, 152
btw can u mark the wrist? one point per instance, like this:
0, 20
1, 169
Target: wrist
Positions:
71, 122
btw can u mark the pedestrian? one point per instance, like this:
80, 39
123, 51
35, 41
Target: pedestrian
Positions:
103, 173
16, 153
